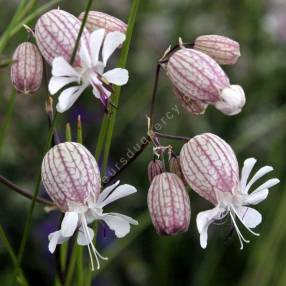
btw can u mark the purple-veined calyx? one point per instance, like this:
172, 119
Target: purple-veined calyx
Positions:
99, 20
27, 69
71, 177
93, 58
56, 32
169, 204
211, 169
155, 167
223, 50
199, 81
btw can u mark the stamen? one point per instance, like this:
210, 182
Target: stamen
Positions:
95, 252
241, 220
240, 236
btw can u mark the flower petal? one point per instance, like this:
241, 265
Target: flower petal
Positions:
117, 76
260, 173
268, 184
256, 197
103, 195
112, 41
60, 67
204, 219
68, 97
85, 56
69, 224
246, 170
120, 192
125, 217
82, 239
56, 238
120, 226
95, 43
57, 83
250, 217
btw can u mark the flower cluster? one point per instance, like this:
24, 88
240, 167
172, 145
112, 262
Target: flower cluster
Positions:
206, 163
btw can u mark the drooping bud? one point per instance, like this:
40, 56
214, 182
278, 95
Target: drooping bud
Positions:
155, 167
223, 50
175, 167
56, 32
96, 20
27, 69
71, 176
200, 78
210, 166
169, 204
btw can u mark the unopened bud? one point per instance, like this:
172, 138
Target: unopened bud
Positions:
27, 69
155, 167
96, 20
169, 204
175, 167
223, 50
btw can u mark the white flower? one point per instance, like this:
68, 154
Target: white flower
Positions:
91, 72
80, 217
236, 203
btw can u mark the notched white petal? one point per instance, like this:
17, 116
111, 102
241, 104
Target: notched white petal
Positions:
112, 41
69, 224
61, 67
83, 239
119, 225
117, 76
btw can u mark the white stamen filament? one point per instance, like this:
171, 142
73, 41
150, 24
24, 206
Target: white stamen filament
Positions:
88, 238
240, 236
241, 220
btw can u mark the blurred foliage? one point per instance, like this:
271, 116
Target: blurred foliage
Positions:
258, 131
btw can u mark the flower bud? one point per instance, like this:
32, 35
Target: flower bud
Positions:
210, 166
169, 204
27, 69
56, 32
222, 49
198, 77
96, 20
71, 176
155, 167
175, 167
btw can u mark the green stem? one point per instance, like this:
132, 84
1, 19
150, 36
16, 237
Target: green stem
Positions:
88, 6
101, 137
11, 31
35, 195
72, 264
68, 132
20, 277
7, 117
79, 131
117, 89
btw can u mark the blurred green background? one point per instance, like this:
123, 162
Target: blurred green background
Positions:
144, 258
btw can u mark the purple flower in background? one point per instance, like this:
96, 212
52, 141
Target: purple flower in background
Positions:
71, 177
211, 169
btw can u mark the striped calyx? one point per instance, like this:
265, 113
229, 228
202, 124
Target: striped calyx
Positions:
169, 204
210, 167
175, 167
155, 167
223, 50
27, 69
96, 20
56, 32
195, 107
71, 176
198, 78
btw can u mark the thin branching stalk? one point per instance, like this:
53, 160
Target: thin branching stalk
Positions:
170, 136
21, 277
12, 186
